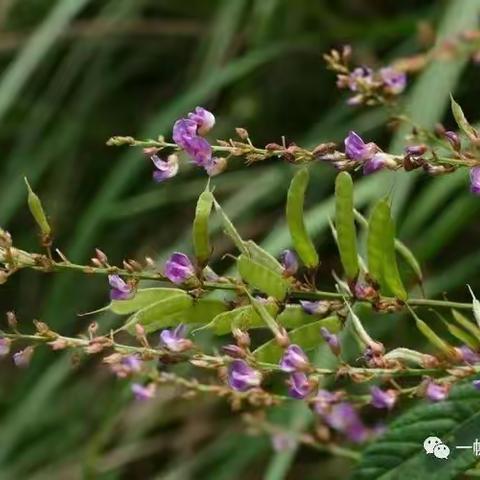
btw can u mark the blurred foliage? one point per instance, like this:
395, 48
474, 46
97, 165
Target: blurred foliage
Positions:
74, 73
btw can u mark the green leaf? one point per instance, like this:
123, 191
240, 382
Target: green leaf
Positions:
308, 337
174, 310
143, 297
399, 453
242, 317
300, 238
201, 240
345, 224
461, 120
293, 316
475, 306
262, 278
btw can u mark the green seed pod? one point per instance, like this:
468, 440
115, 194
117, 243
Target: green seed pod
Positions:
230, 229
307, 336
36, 209
201, 240
462, 121
345, 224
300, 238
466, 323
259, 255
262, 278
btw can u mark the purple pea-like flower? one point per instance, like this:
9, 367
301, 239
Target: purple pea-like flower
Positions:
119, 289
415, 150
394, 80
143, 392
294, 359
453, 139
23, 357
179, 268
215, 166
436, 392
132, 363
323, 401
345, 419
475, 180
5, 344
242, 377
165, 169
357, 149
331, 339
383, 398
204, 120
184, 130
315, 308
299, 386
199, 150
174, 339
360, 75
476, 384
375, 163
468, 355
290, 262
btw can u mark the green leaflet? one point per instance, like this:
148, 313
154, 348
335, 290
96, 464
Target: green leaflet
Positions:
382, 261
143, 297
174, 310
262, 278
242, 317
399, 453
461, 120
308, 337
293, 316
466, 324
300, 238
345, 224
201, 240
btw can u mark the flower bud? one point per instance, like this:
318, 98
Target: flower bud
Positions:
234, 351
242, 338
5, 344
242, 133
23, 357
36, 209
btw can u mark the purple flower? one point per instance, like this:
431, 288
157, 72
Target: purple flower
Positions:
394, 80
215, 166
165, 169
415, 150
204, 120
289, 262
5, 344
323, 401
360, 75
436, 392
315, 308
174, 339
200, 151
22, 358
383, 398
184, 130
179, 268
294, 359
143, 392
345, 419
476, 384
357, 149
468, 355
331, 339
132, 363
475, 180
119, 290
453, 139
376, 163
242, 377
299, 386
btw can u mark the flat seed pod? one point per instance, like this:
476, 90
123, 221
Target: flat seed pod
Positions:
466, 323
296, 225
201, 240
345, 224
262, 278
376, 239
143, 297
259, 255
391, 274
460, 334
308, 337
230, 229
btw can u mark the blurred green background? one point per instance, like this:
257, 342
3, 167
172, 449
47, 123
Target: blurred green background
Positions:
74, 73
